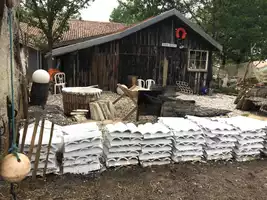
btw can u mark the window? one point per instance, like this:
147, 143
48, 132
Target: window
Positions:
198, 60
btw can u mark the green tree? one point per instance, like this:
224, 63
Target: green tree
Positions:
50, 16
239, 25
132, 11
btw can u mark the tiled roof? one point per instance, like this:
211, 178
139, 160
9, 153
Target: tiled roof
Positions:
134, 28
79, 29
84, 29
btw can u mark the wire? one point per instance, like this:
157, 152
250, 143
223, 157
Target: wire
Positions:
14, 148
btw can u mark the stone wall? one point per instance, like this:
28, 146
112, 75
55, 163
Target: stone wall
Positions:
5, 72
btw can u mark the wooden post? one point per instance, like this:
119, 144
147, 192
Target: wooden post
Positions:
165, 72
78, 70
38, 151
36, 124
48, 148
25, 129
74, 70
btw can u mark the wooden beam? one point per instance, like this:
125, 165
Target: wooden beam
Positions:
165, 72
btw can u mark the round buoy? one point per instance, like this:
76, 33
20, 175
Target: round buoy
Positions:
119, 91
41, 76
40, 87
14, 171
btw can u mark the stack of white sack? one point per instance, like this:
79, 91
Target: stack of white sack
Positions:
220, 138
188, 139
122, 144
250, 140
156, 144
56, 146
83, 148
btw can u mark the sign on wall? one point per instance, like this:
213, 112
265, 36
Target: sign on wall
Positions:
169, 45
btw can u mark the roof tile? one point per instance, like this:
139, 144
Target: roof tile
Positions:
79, 29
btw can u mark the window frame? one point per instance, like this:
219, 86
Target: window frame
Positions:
207, 61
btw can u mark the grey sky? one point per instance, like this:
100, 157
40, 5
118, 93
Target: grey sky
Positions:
99, 10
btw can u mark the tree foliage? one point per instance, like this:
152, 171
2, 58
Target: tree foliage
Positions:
50, 16
239, 25
132, 11
244, 29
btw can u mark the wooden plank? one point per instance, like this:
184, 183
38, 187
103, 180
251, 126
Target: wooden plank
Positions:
24, 134
116, 67
165, 72
78, 70
38, 151
48, 148
25, 98
36, 124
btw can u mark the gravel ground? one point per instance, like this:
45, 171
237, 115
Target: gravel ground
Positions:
220, 101
212, 181
124, 106
54, 107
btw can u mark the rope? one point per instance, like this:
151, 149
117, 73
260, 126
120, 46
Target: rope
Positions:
14, 148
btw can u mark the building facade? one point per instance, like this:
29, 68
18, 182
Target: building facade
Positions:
166, 45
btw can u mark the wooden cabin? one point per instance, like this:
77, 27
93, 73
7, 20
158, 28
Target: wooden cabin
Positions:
168, 40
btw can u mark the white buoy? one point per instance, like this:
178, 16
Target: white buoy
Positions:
41, 76
14, 171
40, 87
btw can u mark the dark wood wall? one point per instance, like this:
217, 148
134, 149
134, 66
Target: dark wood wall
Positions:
93, 66
141, 54
70, 66
105, 62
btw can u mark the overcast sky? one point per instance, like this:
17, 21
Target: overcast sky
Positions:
99, 10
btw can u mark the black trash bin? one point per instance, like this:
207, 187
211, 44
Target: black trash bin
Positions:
40, 88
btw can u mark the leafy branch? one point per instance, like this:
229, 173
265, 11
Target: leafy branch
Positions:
51, 17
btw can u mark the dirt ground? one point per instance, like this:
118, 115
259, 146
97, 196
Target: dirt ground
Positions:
213, 181
187, 181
